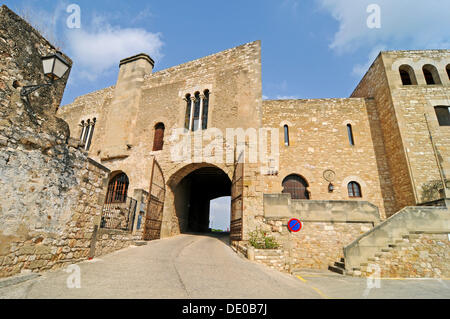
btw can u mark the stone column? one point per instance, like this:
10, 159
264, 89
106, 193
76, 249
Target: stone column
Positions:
191, 117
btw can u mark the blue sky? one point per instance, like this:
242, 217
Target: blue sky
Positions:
310, 48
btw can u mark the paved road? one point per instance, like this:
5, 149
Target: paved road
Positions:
202, 266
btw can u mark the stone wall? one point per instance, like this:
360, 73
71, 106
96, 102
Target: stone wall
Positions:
318, 141
52, 193
416, 255
328, 226
407, 119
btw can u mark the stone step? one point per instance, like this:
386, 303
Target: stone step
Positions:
386, 250
140, 242
339, 264
337, 270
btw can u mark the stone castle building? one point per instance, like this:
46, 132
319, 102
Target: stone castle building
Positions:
387, 144
142, 160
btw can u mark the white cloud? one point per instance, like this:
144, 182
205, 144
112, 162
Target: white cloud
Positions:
405, 24
287, 97
98, 49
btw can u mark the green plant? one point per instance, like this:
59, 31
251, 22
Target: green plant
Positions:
430, 190
260, 240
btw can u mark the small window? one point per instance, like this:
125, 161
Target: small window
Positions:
443, 115
188, 112
407, 75
286, 135
91, 133
158, 141
205, 110
448, 71
196, 119
350, 134
83, 126
431, 75
354, 190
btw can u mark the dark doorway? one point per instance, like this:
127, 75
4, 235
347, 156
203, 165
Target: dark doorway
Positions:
193, 196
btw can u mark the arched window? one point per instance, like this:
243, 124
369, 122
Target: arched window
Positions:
86, 131
197, 109
448, 71
196, 118
431, 74
158, 141
286, 135
205, 110
354, 190
407, 75
443, 115
296, 186
350, 134
117, 189
83, 127
188, 112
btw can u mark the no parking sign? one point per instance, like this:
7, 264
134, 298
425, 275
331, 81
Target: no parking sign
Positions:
295, 225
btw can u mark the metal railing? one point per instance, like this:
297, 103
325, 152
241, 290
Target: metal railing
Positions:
119, 216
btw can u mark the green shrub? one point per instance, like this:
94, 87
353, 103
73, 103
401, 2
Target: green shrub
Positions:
260, 240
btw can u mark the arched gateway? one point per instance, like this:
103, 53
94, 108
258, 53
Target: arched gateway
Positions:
187, 200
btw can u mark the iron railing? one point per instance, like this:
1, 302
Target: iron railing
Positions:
119, 216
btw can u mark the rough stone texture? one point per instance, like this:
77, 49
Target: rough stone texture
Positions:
395, 245
407, 116
234, 79
52, 193
318, 131
317, 245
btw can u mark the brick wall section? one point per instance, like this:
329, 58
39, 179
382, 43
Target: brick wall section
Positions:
52, 193
375, 85
412, 161
319, 141
412, 103
422, 255
317, 245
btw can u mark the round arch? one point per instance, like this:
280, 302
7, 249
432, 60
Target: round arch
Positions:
189, 192
297, 186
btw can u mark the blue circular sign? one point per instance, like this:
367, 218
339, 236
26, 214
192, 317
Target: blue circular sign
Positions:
295, 225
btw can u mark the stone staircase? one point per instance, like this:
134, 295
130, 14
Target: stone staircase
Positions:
338, 267
384, 253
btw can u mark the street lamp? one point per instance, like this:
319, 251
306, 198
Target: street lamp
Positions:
54, 67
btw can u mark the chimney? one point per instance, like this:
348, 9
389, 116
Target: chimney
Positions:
133, 70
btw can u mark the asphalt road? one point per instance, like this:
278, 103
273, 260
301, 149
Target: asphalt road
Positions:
203, 266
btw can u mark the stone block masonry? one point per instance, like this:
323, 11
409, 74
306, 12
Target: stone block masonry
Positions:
51, 192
